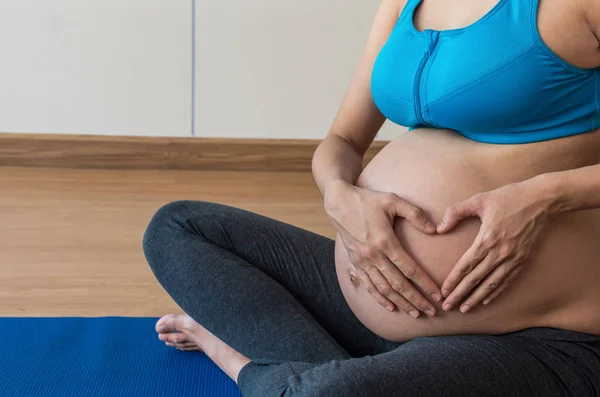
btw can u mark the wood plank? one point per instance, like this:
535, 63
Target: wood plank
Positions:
71, 239
115, 152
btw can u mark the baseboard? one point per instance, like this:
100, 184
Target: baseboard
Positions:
111, 152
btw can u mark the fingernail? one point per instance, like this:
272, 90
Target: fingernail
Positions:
465, 308
430, 312
446, 292
436, 297
414, 314
390, 308
447, 306
485, 302
441, 226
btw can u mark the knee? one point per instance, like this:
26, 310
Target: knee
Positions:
167, 217
167, 223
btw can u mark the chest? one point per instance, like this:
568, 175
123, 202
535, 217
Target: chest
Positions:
562, 24
489, 71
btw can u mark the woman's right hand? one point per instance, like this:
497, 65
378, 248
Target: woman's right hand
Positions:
364, 219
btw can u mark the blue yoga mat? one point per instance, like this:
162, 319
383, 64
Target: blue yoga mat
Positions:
105, 356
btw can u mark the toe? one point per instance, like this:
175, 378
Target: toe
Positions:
186, 345
176, 330
179, 337
170, 323
174, 337
189, 349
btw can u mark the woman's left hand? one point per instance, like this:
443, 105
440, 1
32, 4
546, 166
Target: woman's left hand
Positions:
512, 218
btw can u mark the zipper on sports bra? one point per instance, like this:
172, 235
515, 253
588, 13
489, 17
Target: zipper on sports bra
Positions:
431, 38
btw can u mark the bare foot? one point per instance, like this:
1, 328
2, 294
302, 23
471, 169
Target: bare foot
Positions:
184, 333
176, 331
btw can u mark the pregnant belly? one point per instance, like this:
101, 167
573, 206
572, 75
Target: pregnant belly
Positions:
434, 169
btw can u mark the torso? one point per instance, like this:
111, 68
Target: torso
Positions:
436, 168
563, 24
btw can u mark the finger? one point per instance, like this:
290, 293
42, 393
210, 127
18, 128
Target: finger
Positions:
351, 267
487, 286
381, 299
415, 215
457, 212
414, 273
464, 266
411, 297
472, 281
386, 290
502, 286
352, 272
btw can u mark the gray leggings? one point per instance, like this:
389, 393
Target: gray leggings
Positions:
270, 291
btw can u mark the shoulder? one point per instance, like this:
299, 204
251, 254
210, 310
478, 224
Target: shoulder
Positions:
397, 5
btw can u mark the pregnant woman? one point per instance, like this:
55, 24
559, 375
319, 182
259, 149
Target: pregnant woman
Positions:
467, 258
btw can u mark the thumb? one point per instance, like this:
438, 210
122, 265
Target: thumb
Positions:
457, 212
415, 215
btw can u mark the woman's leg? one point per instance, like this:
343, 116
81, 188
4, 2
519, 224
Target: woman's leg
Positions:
206, 256
450, 366
267, 289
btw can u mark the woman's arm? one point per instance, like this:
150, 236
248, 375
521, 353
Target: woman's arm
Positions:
339, 157
364, 219
572, 190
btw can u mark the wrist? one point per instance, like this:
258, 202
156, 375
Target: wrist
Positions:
551, 189
332, 192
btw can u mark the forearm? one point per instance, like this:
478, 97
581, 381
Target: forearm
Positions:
572, 190
335, 160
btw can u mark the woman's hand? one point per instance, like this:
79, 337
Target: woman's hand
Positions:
512, 218
364, 219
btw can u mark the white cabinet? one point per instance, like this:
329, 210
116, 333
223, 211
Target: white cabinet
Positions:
96, 66
276, 69
263, 68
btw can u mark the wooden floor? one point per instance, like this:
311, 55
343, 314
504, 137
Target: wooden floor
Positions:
70, 240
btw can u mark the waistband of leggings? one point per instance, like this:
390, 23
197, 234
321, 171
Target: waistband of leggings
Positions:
556, 334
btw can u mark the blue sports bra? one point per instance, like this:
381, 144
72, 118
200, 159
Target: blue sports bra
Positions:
493, 81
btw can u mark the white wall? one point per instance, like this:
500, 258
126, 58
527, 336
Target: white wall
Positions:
264, 68
96, 66
276, 69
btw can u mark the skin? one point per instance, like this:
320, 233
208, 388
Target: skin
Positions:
532, 199
371, 248
557, 286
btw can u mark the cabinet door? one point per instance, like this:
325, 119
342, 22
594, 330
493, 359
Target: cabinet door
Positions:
96, 66
276, 69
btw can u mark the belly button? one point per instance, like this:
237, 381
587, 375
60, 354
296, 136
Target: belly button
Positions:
354, 279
